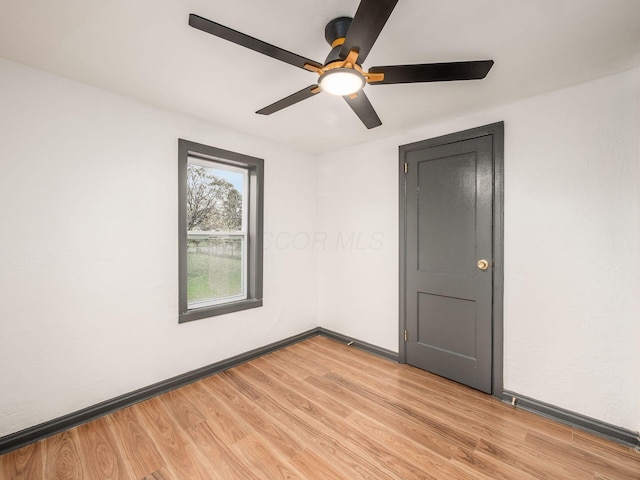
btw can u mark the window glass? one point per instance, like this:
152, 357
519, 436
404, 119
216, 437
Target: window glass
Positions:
216, 233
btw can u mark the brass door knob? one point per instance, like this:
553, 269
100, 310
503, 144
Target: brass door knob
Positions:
483, 264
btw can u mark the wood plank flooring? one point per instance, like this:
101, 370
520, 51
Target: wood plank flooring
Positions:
321, 410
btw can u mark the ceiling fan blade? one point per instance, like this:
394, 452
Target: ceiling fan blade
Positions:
363, 108
366, 26
249, 42
303, 94
433, 72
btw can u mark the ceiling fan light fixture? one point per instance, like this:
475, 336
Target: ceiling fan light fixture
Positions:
341, 81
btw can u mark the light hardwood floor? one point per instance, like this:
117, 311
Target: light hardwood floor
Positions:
322, 410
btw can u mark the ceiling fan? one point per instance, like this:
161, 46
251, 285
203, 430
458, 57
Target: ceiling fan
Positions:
342, 73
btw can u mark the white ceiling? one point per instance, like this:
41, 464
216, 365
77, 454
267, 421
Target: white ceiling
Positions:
145, 49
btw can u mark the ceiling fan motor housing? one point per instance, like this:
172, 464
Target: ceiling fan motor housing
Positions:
335, 29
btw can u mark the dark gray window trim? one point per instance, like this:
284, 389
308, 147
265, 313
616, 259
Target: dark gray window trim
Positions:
255, 230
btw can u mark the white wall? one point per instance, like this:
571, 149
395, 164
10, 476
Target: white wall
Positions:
89, 252
572, 243
88, 246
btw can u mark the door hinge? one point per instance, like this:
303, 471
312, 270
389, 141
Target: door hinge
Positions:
406, 336
406, 167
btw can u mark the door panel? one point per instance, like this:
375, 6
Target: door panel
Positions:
447, 324
446, 219
449, 193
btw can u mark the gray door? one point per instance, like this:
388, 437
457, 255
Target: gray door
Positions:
448, 235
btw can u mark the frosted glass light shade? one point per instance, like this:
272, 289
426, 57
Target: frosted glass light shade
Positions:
341, 81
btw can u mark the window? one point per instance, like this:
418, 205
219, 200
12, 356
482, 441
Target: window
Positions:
220, 231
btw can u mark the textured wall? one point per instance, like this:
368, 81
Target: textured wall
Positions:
572, 236
89, 249
572, 249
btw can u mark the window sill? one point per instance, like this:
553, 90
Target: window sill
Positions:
215, 310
